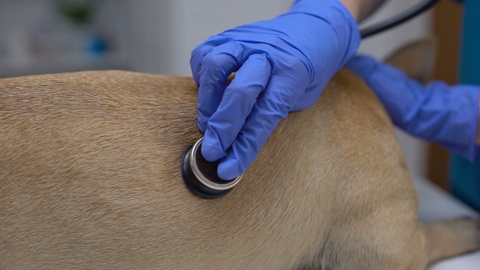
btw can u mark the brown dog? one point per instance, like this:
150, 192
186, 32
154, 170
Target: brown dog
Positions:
90, 179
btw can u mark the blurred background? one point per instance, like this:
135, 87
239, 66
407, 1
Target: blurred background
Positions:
157, 36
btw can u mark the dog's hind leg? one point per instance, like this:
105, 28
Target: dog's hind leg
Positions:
451, 238
395, 245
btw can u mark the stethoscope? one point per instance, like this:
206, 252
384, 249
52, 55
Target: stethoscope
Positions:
200, 175
398, 19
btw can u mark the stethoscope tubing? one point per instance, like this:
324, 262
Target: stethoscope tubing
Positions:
398, 19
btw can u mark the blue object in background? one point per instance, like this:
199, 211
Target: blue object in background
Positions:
97, 46
464, 175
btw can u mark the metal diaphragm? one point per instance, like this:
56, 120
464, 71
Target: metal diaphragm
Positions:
201, 177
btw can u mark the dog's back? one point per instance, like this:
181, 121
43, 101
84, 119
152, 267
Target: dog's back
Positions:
90, 179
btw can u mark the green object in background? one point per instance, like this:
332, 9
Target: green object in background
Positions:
79, 11
465, 175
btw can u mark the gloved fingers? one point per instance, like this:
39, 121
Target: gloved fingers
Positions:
445, 114
196, 60
382, 77
200, 52
216, 67
437, 112
237, 103
401, 95
273, 104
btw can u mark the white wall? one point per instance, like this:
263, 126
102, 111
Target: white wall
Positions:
165, 32
35, 38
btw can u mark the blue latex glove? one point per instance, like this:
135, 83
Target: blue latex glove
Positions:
283, 65
444, 114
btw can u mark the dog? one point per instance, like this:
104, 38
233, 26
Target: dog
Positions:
90, 179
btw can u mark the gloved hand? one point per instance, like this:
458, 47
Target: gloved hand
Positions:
283, 65
445, 114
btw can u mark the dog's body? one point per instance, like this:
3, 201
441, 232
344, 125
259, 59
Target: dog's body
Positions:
90, 179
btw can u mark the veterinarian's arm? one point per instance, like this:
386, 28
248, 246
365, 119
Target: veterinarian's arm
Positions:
361, 9
282, 65
448, 115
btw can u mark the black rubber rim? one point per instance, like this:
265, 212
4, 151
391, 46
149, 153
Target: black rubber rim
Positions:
194, 185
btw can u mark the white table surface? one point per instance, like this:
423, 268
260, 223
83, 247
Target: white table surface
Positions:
437, 205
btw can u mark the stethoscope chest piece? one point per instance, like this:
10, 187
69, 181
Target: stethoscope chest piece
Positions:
200, 176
